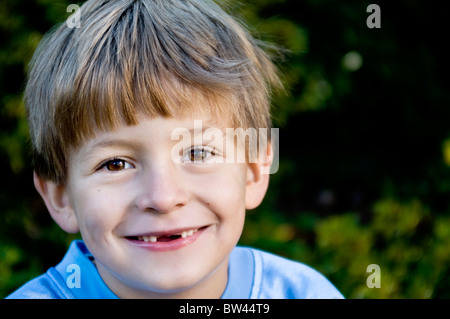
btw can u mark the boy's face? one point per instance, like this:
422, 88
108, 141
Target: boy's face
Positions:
157, 227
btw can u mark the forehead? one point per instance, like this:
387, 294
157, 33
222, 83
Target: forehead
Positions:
158, 129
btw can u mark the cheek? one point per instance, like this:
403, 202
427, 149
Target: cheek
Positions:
224, 191
97, 210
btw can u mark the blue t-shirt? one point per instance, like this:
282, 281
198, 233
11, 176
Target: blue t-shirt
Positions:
252, 274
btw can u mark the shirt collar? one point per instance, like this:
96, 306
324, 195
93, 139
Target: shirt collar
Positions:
91, 285
241, 274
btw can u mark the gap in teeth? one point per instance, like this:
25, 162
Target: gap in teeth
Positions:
154, 239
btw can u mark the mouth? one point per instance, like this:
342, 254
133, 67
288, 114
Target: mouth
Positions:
166, 241
165, 238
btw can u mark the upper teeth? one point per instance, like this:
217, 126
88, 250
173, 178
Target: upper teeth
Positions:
153, 239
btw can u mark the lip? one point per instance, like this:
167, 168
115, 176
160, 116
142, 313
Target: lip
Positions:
167, 245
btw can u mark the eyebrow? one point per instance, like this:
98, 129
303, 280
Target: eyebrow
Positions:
208, 124
193, 131
114, 142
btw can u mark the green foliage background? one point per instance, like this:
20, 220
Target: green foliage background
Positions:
364, 154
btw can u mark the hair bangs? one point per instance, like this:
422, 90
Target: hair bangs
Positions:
137, 66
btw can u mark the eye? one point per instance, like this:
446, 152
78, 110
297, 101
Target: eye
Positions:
199, 154
115, 165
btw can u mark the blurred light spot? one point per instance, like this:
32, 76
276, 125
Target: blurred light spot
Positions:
283, 233
326, 198
446, 150
352, 61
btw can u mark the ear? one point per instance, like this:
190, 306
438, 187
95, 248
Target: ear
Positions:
258, 179
57, 201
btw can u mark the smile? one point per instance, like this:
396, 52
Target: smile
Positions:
165, 238
166, 241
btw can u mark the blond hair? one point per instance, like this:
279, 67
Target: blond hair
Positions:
150, 57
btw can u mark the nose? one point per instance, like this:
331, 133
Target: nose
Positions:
162, 189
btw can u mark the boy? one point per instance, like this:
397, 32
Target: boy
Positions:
160, 217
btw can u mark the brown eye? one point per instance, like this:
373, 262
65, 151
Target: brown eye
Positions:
197, 155
116, 165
